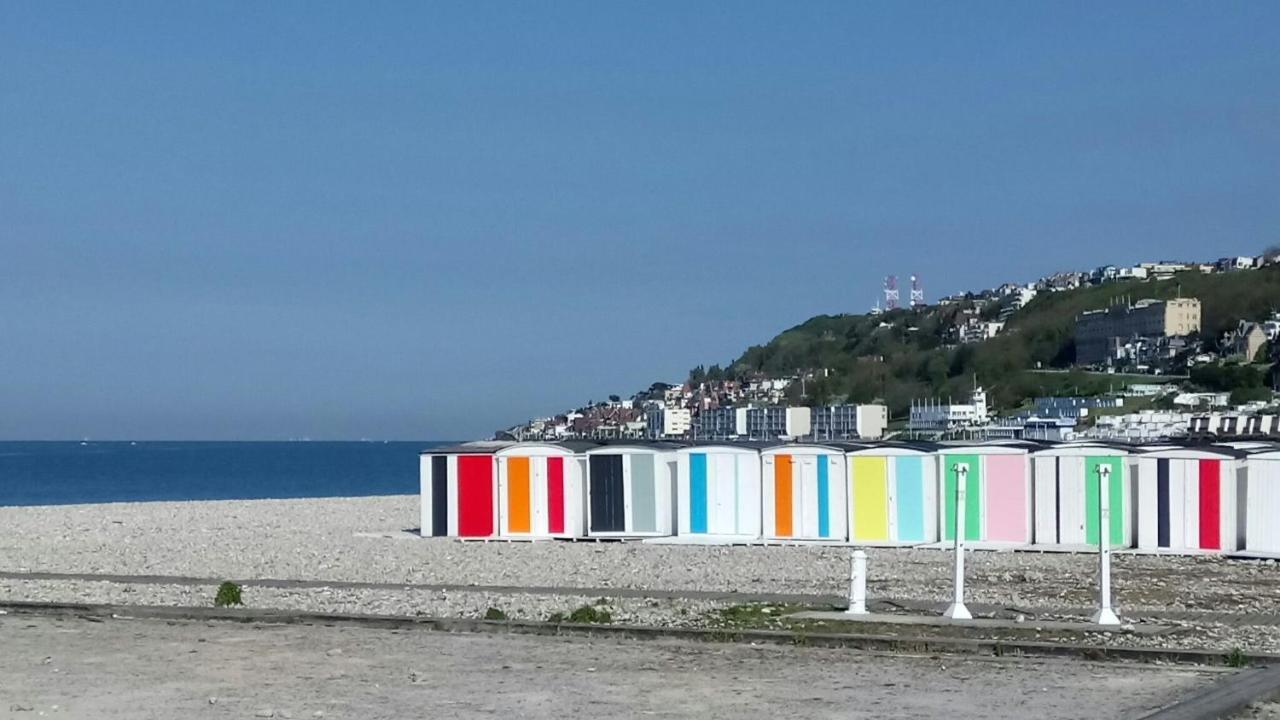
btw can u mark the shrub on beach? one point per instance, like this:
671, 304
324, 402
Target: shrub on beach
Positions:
228, 595
589, 614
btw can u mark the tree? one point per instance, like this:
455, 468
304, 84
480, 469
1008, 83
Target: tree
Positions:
1239, 396
614, 399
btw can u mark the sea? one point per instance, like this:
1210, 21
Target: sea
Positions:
60, 473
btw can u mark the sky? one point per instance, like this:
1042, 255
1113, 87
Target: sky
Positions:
429, 220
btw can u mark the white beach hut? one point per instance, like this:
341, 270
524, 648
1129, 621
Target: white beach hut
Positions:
803, 492
894, 493
541, 490
1262, 502
718, 493
998, 491
458, 490
631, 489
1067, 479
1187, 498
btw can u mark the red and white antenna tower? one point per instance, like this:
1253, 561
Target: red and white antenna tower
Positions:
891, 292
917, 292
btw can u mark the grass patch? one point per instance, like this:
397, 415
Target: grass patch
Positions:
494, 613
1237, 659
755, 616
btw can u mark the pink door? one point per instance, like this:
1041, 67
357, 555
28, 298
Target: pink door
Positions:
1006, 493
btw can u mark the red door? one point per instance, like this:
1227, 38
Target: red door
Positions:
1210, 505
555, 494
475, 495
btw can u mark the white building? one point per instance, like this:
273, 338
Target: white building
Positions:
1161, 270
1205, 399
1272, 327
976, 331
934, 416
1147, 389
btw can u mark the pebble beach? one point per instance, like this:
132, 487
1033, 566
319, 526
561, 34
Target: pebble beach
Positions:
373, 540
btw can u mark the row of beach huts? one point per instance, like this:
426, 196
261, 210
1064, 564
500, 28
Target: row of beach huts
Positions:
1221, 498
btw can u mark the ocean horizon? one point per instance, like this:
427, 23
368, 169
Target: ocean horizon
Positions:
56, 472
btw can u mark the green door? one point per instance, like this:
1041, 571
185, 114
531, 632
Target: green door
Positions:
1092, 481
972, 498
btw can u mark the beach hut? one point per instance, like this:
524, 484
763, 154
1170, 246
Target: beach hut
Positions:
541, 493
803, 492
631, 489
1187, 498
718, 494
998, 491
1262, 502
458, 487
893, 494
1067, 479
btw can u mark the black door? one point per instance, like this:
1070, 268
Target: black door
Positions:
607, 514
1162, 503
439, 495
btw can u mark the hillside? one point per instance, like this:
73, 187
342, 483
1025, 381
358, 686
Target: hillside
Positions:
901, 355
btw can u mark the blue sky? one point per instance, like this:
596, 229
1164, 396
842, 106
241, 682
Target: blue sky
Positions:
428, 220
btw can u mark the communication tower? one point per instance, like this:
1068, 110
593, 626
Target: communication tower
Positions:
891, 292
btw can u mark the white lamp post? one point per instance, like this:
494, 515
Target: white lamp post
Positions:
1105, 615
957, 610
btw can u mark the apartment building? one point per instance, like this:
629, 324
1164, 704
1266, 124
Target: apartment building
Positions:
1100, 333
666, 422
848, 422
771, 423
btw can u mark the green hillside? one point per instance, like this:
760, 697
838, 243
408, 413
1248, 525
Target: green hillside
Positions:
900, 355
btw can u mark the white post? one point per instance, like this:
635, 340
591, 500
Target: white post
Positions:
957, 610
857, 583
1105, 615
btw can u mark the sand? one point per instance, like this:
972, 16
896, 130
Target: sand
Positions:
150, 669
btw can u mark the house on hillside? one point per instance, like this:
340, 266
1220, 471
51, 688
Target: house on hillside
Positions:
1228, 264
1245, 342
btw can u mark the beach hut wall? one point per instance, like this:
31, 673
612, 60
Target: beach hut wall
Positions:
1262, 503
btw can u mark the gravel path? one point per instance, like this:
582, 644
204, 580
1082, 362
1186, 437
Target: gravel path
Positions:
149, 669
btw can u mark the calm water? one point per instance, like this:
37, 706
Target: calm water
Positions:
54, 473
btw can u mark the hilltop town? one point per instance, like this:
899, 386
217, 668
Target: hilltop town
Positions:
1151, 351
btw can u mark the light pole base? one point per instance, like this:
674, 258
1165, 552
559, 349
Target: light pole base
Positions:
855, 610
957, 611
1106, 616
